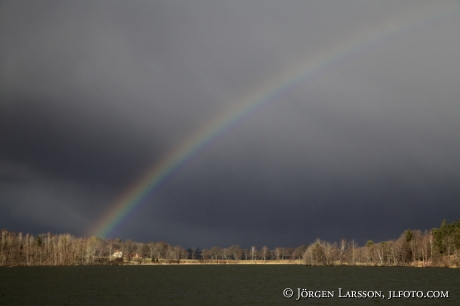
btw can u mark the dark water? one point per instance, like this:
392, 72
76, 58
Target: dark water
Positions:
219, 285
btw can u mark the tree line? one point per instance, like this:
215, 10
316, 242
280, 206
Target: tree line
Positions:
438, 247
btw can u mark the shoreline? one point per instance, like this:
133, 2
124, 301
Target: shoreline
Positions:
169, 262
418, 264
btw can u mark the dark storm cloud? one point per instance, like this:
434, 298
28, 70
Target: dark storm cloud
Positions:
94, 94
56, 143
90, 93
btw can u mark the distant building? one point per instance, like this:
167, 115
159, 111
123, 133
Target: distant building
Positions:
119, 254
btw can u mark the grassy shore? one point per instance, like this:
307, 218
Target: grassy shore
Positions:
218, 262
146, 261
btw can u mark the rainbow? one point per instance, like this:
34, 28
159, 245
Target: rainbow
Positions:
242, 108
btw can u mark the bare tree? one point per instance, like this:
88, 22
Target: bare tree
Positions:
127, 247
206, 254
278, 253
300, 251
236, 252
160, 249
264, 252
253, 253
193, 253
216, 252
342, 249
151, 249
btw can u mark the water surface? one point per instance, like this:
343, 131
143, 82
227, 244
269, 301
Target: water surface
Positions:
218, 285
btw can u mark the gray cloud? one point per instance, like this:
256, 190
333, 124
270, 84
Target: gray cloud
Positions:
94, 94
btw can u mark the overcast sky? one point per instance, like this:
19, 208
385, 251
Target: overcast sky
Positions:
94, 93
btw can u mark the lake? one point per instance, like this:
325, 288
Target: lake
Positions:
226, 285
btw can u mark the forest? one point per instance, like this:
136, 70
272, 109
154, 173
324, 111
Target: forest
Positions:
439, 247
